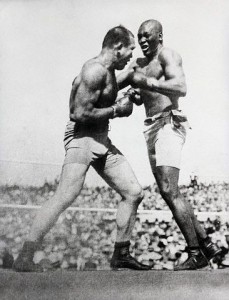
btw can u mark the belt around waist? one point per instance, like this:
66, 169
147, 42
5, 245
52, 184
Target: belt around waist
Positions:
175, 115
162, 115
93, 128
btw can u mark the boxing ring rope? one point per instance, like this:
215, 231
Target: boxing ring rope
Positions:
143, 214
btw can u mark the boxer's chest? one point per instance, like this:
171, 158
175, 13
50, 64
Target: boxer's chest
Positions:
152, 69
109, 92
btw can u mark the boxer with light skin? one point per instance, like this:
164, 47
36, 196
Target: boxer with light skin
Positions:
92, 104
160, 81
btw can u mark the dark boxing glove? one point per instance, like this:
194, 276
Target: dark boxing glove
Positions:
123, 107
134, 96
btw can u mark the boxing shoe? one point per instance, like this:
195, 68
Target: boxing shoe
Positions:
211, 251
122, 259
23, 265
7, 260
127, 262
24, 261
195, 261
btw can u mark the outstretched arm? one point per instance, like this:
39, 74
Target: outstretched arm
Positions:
125, 79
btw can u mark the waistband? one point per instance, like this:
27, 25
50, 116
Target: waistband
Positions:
158, 116
88, 128
175, 115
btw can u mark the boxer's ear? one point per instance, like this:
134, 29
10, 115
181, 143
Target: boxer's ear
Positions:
118, 46
161, 36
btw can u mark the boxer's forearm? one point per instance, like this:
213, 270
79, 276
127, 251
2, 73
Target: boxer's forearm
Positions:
94, 115
171, 87
123, 80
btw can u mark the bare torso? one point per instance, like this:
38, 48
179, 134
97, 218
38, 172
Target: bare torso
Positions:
155, 102
108, 89
101, 93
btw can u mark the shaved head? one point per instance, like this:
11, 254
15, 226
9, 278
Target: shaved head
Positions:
156, 25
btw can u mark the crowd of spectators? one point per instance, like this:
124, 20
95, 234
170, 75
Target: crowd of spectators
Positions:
203, 197
85, 239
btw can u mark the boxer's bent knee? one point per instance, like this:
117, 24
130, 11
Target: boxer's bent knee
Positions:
135, 195
168, 191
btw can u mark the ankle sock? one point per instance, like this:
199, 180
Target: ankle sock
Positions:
122, 244
194, 250
122, 248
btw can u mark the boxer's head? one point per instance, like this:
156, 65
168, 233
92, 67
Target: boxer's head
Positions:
116, 35
121, 41
150, 36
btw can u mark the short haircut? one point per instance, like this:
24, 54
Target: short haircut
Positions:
116, 35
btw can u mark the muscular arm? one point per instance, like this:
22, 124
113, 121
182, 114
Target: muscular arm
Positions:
173, 82
92, 82
126, 78
75, 85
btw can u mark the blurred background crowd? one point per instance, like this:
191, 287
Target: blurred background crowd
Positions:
84, 240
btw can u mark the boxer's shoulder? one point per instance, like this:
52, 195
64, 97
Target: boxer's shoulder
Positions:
93, 71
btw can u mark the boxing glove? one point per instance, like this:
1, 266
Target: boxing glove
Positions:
134, 96
123, 107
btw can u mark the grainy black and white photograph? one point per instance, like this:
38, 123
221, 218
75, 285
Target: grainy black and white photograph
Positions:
114, 153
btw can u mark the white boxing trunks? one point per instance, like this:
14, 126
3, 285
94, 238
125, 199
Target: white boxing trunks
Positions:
165, 135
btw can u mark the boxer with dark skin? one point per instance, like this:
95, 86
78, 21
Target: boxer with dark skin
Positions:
160, 81
92, 105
